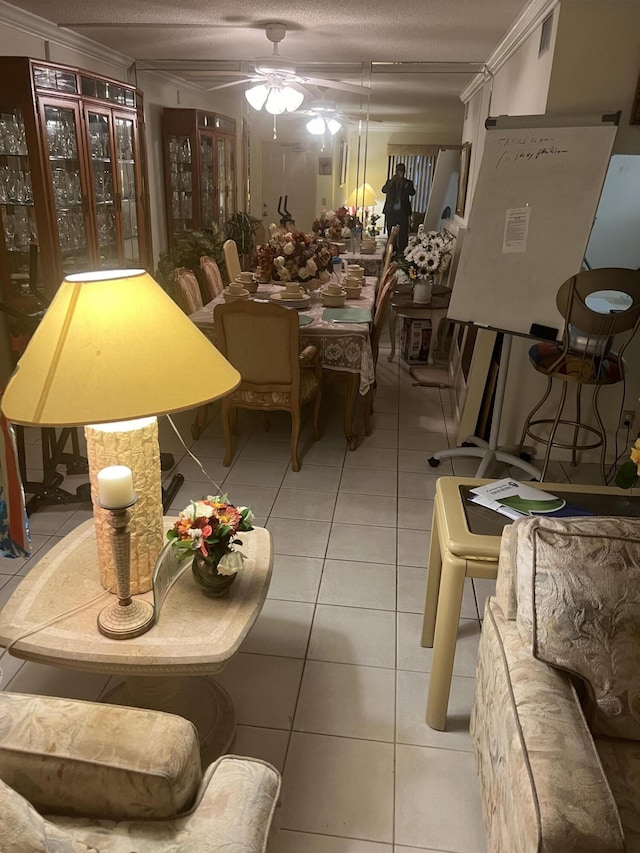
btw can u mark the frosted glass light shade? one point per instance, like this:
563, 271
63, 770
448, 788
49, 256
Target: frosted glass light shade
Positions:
333, 125
113, 346
275, 99
318, 125
257, 96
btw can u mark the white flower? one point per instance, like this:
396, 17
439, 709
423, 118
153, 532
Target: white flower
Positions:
196, 534
289, 248
346, 232
195, 510
312, 267
303, 273
279, 262
324, 275
230, 563
249, 517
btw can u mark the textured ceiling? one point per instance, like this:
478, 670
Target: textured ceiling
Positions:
318, 31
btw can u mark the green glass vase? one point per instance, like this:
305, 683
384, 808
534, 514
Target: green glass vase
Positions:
205, 573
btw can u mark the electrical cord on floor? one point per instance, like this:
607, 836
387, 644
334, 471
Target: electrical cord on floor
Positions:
50, 622
195, 458
611, 472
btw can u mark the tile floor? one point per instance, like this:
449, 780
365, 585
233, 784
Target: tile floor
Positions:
331, 684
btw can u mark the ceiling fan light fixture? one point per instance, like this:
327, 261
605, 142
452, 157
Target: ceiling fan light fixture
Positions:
257, 96
315, 126
333, 125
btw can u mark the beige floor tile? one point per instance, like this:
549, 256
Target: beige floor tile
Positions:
369, 482
386, 438
323, 478
248, 473
358, 584
380, 458
256, 450
338, 786
362, 543
412, 656
384, 420
304, 504
379, 510
281, 629
299, 538
264, 689
412, 587
54, 681
348, 701
483, 588
295, 578
421, 486
415, 514
421, 440
324, 452
268, 744
411, 706
213, 468
353, 635
303, 842
413, 547
438, 800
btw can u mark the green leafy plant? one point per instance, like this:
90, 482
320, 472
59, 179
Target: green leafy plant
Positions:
628, 473
243, 228
186, 252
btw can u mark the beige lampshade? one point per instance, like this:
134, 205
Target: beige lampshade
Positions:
363, 196
114, 346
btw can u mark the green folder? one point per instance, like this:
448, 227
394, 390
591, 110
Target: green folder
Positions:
305, 319
347, 315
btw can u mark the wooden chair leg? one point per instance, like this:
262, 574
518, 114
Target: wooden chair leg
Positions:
368, 411
200, 422
225, 415
316, 417
295, 434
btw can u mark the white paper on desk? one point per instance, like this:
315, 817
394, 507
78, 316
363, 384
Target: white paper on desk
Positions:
515, 499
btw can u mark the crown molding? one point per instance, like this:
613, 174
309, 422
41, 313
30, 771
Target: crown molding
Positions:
34, 25
529, 20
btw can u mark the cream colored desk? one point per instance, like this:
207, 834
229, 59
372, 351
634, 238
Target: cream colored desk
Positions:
166, 668
456, 553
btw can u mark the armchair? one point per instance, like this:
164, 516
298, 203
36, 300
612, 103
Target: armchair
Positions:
556, 718
83, 777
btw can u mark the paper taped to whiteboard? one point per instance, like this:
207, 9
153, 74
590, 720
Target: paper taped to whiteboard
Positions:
516, 230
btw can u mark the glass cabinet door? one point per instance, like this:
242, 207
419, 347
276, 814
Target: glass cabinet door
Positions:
101, 160
222, 181
207, 181
61, 124
16, 199
128, 191
180, 165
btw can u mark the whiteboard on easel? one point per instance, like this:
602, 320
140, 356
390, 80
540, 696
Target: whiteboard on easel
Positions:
534, 204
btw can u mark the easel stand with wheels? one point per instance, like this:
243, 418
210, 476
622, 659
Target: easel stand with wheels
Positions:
489, 452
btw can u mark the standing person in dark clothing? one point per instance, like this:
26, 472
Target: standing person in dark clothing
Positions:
397, 205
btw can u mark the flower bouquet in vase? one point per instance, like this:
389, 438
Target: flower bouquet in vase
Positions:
427, 253
628, 474
294, 256
207, 531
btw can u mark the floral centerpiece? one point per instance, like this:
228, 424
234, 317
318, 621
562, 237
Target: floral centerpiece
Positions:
427, 253
334, 224
206, 530
293, 256
372, 229
628, 474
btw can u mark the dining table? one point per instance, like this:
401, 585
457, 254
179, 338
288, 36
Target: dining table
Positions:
344, 347
370, 261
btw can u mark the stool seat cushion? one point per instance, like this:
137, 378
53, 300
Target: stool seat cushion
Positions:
547, 357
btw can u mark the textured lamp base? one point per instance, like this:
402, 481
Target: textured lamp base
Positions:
124, 621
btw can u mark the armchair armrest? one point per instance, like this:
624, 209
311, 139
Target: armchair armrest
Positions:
529, 737
86, 758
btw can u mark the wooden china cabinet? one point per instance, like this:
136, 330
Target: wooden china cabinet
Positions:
73, 178
200, 170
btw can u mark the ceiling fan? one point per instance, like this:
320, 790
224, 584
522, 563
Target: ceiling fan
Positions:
278, 88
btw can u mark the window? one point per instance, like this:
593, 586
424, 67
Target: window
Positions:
419, 169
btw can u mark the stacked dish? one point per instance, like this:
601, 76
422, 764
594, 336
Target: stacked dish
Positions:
234, 292
247, 280
353, 286
333, 295
293, 296
368, 246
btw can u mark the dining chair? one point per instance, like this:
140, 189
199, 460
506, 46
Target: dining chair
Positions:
596, 305
187, 290
231, 259
211, 278
262, 341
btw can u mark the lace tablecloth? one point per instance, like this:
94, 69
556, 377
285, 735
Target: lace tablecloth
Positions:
342, 346
372, 262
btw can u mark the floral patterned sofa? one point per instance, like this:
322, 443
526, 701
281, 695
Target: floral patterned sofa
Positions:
556, 717
82, 777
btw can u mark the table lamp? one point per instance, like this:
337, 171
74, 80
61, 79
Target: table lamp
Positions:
113, 346
362, 198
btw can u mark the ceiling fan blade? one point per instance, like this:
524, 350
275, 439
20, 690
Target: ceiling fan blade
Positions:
337, 84
232, 83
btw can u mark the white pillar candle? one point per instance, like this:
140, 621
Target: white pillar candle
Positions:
115, 487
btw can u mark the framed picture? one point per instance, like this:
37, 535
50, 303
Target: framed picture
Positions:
324, 166
344, 163
635, 109
463, 178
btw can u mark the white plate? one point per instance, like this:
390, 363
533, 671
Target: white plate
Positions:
303, 302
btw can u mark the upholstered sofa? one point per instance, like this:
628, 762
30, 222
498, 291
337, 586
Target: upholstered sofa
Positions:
82, 777
556, 717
